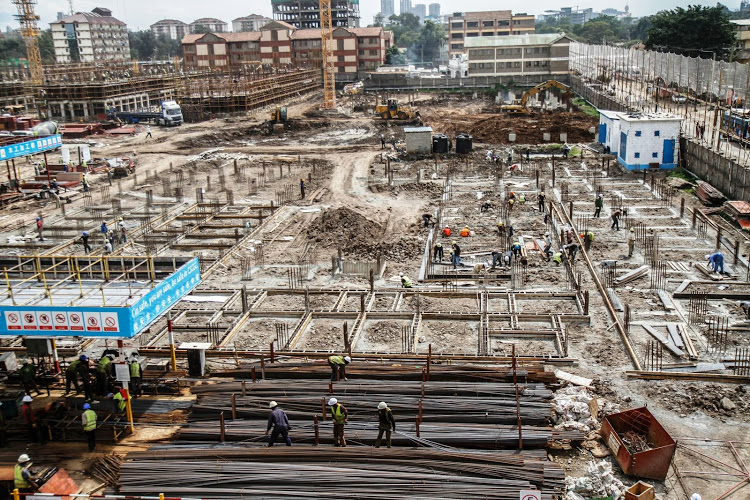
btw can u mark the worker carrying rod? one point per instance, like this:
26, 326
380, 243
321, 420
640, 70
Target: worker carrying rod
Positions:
338, 367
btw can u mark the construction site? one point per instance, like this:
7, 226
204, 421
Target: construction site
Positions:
536, 320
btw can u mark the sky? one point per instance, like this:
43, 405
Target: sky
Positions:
139, 14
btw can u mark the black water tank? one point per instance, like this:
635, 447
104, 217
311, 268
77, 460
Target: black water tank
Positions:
440, 143
463, 144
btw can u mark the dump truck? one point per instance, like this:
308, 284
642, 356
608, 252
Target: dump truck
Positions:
519, 107
391, 109
169, 114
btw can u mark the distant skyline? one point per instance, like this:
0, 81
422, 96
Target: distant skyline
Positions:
140, 14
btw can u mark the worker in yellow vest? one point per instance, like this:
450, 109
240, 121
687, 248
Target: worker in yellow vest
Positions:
23, 479
135, 375
88, 420
338, 366
118, 400
340, 418
103, 371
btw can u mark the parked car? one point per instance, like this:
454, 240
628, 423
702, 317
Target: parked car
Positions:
681, 99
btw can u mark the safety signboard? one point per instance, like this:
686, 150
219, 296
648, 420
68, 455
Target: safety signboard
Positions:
117, 322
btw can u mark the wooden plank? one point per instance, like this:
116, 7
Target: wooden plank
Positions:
688, 341
665, 342
682, 286
666, 300
573, 379
698, 377
616, 303
630, 276
674, 335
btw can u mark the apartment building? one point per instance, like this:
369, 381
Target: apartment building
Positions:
253, 22
462, 26
93, 36
742, 55
518, 55
280, 44
305, 14
174, 29
387, 8
210, 24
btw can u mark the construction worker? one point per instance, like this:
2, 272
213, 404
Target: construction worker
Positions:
148, 132
386, 424
508, 258
103, 371
280, 423
29, 418
340, 418
108, 247
456, 255
572, 251
28, 378
588, 239
88, 420
23, 479
521, 198
110, 175
541, 198
501, 228
72, 372
558, 257
84, 166
497, 258
547, 245
616, 220
517, 248
85, 242
446, 232
631, 241
405, 281
338, 366
122, 231
84, 183
118, 400
598, 204
716, 261
465, 232
135, 375
104, 229
437, 253
426, 219
511, 202
302, 189
39, 228
382, 141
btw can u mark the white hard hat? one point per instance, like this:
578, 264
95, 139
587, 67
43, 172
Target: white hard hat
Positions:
27, 399
273, 404
332, 401
695, 496
400, 274
382, 405
708, 256
24, 458
347, 359
546, 233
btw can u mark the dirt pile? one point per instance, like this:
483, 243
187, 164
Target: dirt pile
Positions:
385, 331
711, 399
529, 129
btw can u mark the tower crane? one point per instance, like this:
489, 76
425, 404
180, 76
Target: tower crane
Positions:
30, 32
329, 73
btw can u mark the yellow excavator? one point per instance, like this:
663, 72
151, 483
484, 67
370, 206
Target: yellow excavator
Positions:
391, 109
519, 107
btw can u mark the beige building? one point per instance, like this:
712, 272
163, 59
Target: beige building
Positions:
253, 22
743, 41
93, 36
517, 55
174, 29
211, 24
485, 24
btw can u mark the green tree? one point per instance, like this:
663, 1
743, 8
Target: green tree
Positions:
46, 47
12, 48
394, 56
696, 31
430, 40
641, 27
596, 31
143, 45
378, 20
200, 29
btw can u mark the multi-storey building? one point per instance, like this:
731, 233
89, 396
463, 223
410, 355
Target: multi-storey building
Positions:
93, 36
742, 54
434, 11
518, 55
387, 8
210, 24
253, 22
280, 44
420, 10
305, 14
174, 29
467, 25
405, 7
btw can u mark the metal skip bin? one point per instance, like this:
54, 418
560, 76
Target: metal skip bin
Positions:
642, 447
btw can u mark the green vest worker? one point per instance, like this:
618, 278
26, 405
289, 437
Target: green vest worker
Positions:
405, 281
338, 366
88, 420
135, 375
557, 257
340, 417
118, 400
23, 480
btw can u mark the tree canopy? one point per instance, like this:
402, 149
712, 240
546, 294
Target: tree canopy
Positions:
15, 48
144, 45
423, 42
696, 31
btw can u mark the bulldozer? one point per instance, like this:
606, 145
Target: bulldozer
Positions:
391, 110
519, 106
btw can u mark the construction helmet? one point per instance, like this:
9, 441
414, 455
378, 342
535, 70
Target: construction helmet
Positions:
24, 458
84, 233
708, 256
347, 359
382, 405
83, 358
546, 233
273, 404
632, 229
695, 496
27, 399
86, 406
453, 242
332, 401
400, 274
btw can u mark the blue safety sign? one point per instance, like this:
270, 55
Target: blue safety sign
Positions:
36, 145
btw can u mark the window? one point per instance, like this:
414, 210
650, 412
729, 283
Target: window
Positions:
637, 133
341, 58
457, 36
654, 155
656, 133
457, 26
373, 52
361, 52
536, 64
275, 36
488, 33
472, 24
339, 44
637, 155
528, 64
488, 24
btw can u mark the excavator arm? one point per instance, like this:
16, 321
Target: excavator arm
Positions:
542, 87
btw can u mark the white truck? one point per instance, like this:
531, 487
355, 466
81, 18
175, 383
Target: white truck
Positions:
169, 114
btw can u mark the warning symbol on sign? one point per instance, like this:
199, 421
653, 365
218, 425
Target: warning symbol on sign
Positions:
12, 321
75, 322
29, 321
530, 495
110, 322
61, 321
45, 321
92, 322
